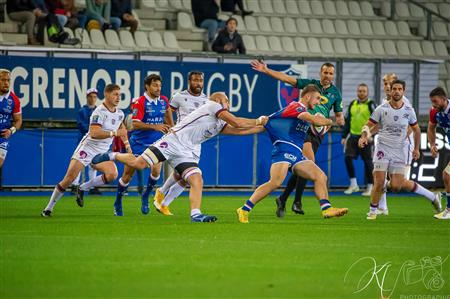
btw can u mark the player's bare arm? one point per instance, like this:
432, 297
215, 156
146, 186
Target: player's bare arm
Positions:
431, 134
168, 117
340, 120
16, 125
96, 132
317, 120
230, 130
367, 131
416, 132
261, 66
239, 122
125, 140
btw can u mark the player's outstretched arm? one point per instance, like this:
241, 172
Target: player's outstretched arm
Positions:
230, 130
416, 131
240, 122
261, 66
431, 134
317, 120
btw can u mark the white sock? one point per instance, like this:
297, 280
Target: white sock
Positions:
369, 187
195, 212
425, 192
97, 181
407, 172
77, 180
168, 184
123, 183
382, 205
173, 193
92, 173
353, 182
58, 192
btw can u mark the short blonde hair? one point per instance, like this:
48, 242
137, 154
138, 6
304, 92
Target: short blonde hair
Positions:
393, 76
5, 71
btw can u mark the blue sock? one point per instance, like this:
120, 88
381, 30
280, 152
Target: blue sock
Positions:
324, 204
248, 206
448, 200
150, 184
121, 189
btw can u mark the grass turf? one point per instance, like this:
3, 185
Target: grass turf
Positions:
87, 253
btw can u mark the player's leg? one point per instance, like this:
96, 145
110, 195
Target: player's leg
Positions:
3, 150
282, 199
351, 153
366, 156
278, 172
151, 182
127, 159
446, 177
379, 176
73, 170
122, 187
310, 171
92, 173
163, 191
411, 186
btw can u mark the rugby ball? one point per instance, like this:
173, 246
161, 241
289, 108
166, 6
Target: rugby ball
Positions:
319, 130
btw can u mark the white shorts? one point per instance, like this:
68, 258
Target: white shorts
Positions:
86, 152
389, 159
408, 149
174, 151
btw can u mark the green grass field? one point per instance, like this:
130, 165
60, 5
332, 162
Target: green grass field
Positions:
88, 253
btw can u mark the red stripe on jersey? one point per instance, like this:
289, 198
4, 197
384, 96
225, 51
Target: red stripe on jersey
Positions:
293, 110
433, 113
220, 111
138, 108
17, 108
165, 100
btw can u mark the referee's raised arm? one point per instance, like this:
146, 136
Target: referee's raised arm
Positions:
261, 66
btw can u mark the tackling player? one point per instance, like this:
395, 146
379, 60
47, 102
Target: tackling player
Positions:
440, 115
106, 122
288, 129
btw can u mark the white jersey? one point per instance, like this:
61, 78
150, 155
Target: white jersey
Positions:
200, 125
393, 124
109, 121
184, 103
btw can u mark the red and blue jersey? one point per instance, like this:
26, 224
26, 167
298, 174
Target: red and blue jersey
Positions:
285, 126
9, 105
149, 111
442, 118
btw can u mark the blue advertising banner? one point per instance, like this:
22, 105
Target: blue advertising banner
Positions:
55, 88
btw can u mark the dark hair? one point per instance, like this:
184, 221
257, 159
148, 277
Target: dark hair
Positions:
327, 64
152, 77
111, 87
398, 81
363, 84
231, 19
309, 88
192, 73
438, 91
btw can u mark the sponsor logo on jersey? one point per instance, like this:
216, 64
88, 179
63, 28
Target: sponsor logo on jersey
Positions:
290, 157
163, 144
83, 154
380, 155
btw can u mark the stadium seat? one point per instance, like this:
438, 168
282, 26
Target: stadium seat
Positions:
162, 4
262, 44
275, 44
341, 27
339, 47
353, 27
156, 41
415, 48
342, 8
148, 3
301, 46
390, 49
385, 8
432, 7
171, 42
84, 37
292, 8
264, 24
112, 39
251, 24
330, 8
249, 43
415, 11
442, 70
355, 9
279, 8
317, 8
378, 48
327, 47
352, 47
391, 28
444, 9
187, 5
328, 26
303, 26
365, 47
142, 41
441, 49
402, 10
97, 38
80, 3
428, 49
127, 40
403, 48
314, 46
277, 25
304, 8
403, 28
240, 23
289, 25
315, 26
440, 30
366, 28
266, 7
288, 44
184, 21
253, 5
176, 4
378, 28
367, 9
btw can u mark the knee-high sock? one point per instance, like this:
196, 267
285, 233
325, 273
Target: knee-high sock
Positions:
121, 189
58, 192
97, 181
299, 188
382, 204
173, 193
77, 180
150, 184
171, 181
350, 167
418, 189
92, 172
289, 188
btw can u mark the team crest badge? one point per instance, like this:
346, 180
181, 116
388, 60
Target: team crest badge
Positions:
395, 117
286, 92
113, 121
83, 154
163, 145
380, 155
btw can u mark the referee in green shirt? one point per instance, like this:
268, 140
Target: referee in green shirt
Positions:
331, 99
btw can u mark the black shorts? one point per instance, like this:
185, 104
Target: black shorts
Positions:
353, 150
315, 140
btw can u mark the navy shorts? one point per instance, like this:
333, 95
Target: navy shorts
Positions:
286, 153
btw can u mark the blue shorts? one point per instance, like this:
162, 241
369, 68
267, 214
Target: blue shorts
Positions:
286, 153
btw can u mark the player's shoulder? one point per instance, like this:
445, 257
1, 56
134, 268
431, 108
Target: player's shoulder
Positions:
408, 108
140, 100
13, 96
